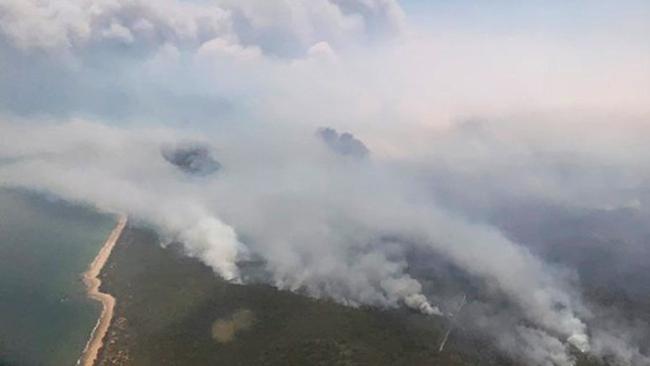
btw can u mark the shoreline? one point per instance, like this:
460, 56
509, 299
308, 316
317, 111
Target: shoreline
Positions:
92, 282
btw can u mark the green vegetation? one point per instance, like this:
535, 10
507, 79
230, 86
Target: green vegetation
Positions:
168, 305
173, 310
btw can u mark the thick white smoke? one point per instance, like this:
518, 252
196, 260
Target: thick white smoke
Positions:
125, 171
318, 218
104, 161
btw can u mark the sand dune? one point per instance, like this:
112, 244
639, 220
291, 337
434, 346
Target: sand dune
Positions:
92, 282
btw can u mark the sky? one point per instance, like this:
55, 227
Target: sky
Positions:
349, 135
548, 18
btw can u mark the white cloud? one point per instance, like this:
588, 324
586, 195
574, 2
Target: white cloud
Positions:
284, 27
219, 47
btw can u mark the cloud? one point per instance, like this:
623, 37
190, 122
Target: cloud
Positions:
219, 47
282, 28
73, 24
322, 50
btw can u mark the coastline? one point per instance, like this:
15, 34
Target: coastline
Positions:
92, 282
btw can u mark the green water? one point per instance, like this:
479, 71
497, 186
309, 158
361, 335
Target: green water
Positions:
45, 245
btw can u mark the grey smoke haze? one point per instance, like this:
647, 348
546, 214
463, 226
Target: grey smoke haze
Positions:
191, 158
344, 143
115, 89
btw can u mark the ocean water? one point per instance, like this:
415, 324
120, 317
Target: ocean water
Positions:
45, 245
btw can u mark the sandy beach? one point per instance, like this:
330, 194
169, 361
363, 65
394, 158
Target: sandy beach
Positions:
92, 282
